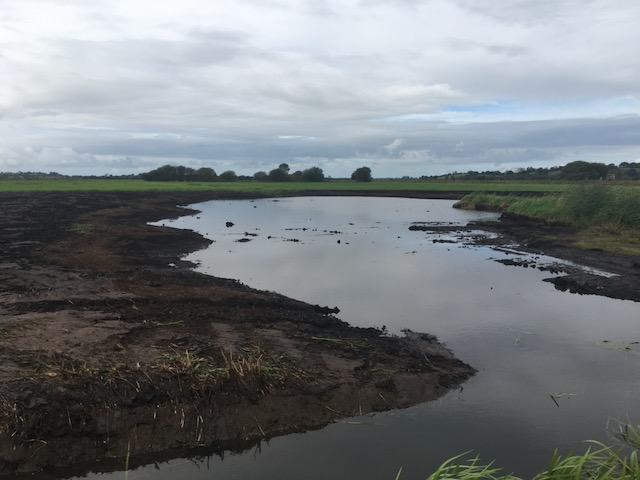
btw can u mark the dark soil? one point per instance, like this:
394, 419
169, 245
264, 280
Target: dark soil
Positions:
538, 237
110, 345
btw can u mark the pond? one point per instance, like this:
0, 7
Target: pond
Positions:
554, 368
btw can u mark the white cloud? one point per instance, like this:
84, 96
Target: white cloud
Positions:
393, 146
29, 158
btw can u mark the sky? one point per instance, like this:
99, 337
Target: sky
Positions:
405, 87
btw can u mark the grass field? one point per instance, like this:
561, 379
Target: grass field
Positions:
270, 188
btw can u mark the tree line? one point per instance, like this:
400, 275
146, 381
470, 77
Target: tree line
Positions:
573, 171
170, 173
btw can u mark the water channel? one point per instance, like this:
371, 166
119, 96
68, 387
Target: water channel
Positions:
555, 368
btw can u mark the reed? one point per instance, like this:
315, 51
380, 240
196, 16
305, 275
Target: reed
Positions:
602, 204
599, 462
546, 206
585, 205
606, 216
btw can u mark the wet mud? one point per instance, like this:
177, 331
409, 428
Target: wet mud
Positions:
111, 347
606, 274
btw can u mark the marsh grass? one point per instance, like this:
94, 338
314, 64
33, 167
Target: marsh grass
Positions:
602, 205
466, 468
188, 364
620, 240
629, 436
587, 205
607, 216
252, 369
545, 206
599, 462
246, 371
84, 225
83, 228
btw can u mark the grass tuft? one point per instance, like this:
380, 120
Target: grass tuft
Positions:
244, 371
599, 462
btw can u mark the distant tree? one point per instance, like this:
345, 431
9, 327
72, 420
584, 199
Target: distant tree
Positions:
184, 174
278, 175
228, 176
284, 167
313, 174
204, 174
362, 174
580, 170
166, 173
260, 176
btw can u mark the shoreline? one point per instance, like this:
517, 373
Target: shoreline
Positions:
107, 352
539, 237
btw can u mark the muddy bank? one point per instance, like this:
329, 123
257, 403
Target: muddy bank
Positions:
110, 345
556, 240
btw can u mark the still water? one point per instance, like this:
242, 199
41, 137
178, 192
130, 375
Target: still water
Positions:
528, 340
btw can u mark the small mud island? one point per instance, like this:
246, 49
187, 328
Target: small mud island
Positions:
111, 347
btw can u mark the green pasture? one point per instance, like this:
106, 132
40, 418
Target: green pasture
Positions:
271, 188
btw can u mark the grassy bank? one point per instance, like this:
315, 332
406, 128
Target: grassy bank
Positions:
599, 462
270, 188
606, 216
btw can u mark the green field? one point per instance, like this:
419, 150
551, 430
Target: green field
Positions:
270, 188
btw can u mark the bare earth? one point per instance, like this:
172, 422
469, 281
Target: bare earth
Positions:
539, 237
107, 350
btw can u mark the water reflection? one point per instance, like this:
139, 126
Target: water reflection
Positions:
348, 252
528, 340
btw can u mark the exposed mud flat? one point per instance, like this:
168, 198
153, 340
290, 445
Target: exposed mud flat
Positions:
111, 346
609, 275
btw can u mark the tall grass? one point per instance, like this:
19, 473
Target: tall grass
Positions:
606, 216
547, 206
599, 462
601, 204
580, 205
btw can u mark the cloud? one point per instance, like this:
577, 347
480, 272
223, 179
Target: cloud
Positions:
413, 86
28, 159
397, 143
467, 45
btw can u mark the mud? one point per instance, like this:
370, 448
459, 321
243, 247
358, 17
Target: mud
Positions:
111, 347
609, 275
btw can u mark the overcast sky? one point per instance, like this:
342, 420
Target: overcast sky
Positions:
406, 87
